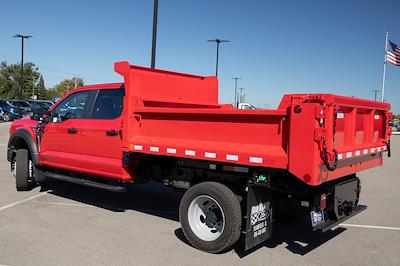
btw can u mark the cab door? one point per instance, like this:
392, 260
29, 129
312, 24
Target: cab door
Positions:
101, 146
62, 137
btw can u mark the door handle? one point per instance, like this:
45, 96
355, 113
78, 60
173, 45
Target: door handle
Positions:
112, 132
72, 130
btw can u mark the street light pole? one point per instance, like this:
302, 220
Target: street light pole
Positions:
154, 42
21, 82
375, 93
33, 88
217, 41
240, 95
236, 79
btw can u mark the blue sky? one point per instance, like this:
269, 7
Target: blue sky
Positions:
277, 47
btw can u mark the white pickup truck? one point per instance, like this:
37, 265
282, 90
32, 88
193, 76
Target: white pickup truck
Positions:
246, 106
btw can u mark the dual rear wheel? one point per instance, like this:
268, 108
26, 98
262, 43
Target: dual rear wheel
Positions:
211, 217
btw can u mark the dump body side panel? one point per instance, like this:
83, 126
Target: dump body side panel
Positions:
166, 113
241, 138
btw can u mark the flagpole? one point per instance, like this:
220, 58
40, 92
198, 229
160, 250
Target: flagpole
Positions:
384, 67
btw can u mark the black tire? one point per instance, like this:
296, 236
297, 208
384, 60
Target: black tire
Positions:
22, 170
230, 206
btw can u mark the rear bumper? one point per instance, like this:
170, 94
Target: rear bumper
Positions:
332, 223
341, 204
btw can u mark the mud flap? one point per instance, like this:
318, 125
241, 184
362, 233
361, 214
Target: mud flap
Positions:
259, 215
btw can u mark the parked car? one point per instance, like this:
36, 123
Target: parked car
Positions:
246, 106
43, 103
3, 116
21, 104
11, 111
55, 99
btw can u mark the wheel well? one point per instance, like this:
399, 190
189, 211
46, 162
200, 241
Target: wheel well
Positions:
18, 143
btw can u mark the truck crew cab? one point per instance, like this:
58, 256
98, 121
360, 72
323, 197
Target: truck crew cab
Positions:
239, 169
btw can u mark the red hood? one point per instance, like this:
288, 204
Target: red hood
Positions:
25, 123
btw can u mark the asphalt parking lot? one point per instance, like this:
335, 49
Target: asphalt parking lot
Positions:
66, 224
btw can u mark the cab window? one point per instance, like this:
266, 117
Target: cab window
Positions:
108, 104
73, 107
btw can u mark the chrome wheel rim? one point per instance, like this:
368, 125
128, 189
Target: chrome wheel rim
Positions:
14, 168
206, 218
6, 117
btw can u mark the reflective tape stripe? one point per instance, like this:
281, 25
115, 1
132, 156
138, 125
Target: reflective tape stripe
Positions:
171, 150
256, 160
138, 147
210, 155
155, 149
190, 153
232, 157
364, 152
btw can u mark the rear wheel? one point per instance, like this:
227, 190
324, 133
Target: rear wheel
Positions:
210, 217
20, 169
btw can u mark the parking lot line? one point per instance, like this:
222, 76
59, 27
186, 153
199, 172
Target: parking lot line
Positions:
24, 200
371, 226
64, 204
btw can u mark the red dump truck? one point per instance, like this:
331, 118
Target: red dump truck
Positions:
239, 169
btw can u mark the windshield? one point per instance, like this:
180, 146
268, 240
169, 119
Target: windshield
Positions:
44, 104
12, 104
19, 103
23, 104
15, 103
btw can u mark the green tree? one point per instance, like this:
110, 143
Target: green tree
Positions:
10, 75
68, 84
40, 90
51, 93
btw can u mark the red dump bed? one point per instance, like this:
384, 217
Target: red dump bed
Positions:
316, 137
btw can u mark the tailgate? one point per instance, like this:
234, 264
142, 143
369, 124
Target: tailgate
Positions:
333, 136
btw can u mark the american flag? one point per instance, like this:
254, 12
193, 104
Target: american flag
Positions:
393, 54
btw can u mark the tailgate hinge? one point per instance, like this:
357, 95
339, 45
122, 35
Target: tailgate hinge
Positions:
320, 114
326, 156
320, 111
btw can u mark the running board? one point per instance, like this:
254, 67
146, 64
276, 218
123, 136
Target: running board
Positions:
85, 182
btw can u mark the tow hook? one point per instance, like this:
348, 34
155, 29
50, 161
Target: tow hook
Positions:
346, 208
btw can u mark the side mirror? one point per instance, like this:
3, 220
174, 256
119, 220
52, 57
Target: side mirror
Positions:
38, 112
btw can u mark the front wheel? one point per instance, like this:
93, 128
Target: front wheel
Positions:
211, 217
20, 169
